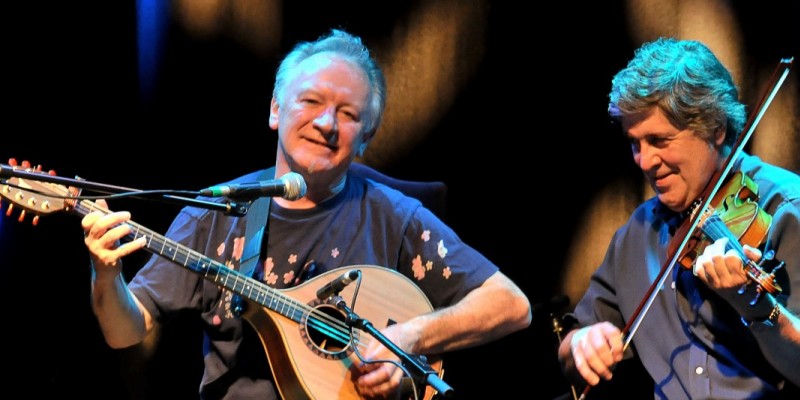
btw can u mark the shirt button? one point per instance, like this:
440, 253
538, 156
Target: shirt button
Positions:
672, 285
698, 370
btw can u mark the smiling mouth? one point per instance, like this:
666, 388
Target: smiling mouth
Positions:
658, 181
323, 144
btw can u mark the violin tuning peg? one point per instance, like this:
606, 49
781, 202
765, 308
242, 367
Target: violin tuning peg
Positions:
778, 267
742, 289
756, 297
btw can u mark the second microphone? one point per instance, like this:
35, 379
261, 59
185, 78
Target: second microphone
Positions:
335, 286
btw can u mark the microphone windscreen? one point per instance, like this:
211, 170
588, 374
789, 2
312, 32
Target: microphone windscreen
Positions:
295, 186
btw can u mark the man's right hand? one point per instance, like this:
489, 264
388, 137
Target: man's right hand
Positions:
594, 350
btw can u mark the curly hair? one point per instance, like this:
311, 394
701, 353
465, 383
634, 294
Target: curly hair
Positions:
687, 82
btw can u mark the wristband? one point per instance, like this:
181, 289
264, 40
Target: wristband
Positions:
765, 323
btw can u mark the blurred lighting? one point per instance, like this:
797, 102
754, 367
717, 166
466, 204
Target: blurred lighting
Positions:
151, 16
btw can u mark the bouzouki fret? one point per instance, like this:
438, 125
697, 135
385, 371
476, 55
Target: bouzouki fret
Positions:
281, 304
183, 257
225, 281
237, 286
186, 259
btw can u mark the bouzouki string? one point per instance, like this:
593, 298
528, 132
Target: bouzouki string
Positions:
220, 274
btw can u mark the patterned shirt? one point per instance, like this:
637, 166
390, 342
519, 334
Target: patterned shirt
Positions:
366, 224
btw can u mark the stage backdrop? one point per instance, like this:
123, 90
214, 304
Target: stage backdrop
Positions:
511, 115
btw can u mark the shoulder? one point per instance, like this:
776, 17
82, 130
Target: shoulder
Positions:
383, 195
432, 194
775, 185
646, 219
650, 211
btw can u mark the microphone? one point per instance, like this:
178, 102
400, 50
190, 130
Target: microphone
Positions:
337, 285
290, 186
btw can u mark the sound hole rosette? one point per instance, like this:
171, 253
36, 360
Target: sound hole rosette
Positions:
325, 331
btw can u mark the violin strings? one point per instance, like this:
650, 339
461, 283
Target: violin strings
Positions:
716, 229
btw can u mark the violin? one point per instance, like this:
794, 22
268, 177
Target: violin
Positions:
734, 214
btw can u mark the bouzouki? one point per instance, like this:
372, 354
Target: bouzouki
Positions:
306, 340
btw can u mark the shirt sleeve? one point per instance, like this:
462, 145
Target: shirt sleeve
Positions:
600, 302
164, 287
439, 262
784, 237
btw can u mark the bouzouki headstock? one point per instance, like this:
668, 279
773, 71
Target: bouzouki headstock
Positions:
34, 196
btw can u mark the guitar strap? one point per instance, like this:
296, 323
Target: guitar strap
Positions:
256, 228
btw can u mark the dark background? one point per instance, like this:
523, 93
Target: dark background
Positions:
522, 153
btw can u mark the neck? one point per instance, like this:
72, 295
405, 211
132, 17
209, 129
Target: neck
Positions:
319, 188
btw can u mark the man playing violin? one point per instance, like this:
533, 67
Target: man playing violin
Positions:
709, 331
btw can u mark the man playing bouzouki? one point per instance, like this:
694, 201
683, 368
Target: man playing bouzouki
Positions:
327, 103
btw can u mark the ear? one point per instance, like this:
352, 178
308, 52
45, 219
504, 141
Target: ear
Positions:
364, 143
273, 114
719, 136
361, 149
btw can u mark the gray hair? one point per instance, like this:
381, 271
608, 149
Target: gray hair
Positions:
348, 47
687, 82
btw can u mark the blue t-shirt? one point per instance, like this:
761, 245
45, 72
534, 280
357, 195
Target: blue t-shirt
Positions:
366, 224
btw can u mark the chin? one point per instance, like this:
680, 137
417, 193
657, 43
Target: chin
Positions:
673, 205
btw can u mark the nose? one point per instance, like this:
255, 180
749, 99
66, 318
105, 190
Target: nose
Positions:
326, 120
646, 156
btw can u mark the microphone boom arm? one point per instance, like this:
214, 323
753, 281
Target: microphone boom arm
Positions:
416, 364
229, 208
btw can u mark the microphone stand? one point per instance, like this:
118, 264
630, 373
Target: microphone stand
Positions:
558, 329
229, 208
416, 363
